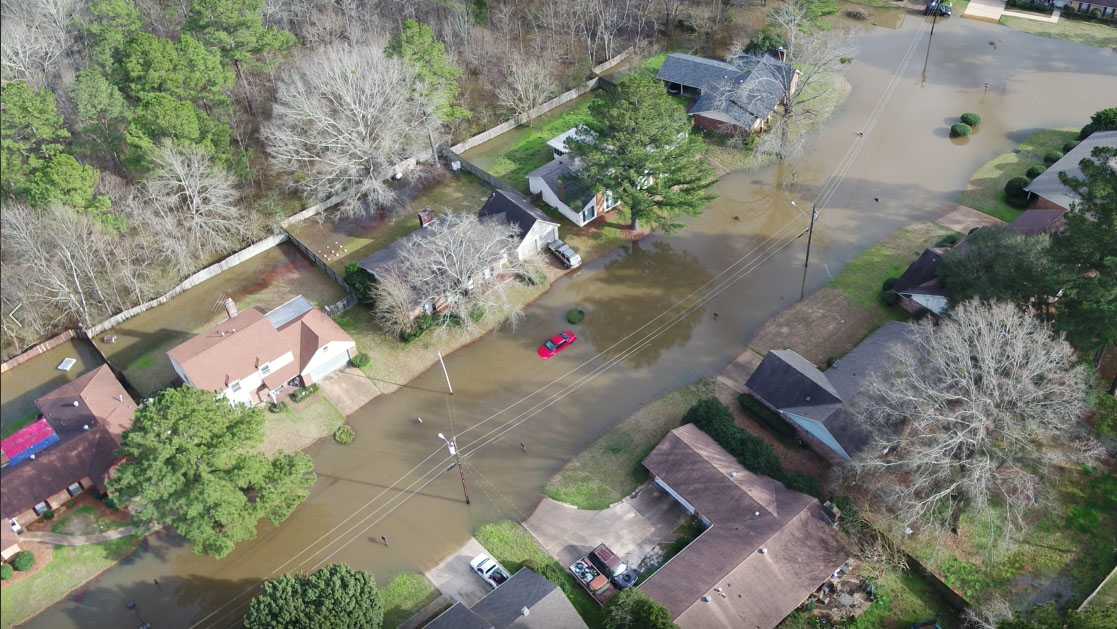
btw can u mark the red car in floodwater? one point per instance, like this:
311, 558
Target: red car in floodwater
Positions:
556, 344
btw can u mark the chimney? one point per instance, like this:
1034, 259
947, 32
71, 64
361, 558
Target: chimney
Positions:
85, 426
763, 550
230, 307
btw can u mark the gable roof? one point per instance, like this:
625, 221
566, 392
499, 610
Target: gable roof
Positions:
548, 607
1036, 222
233, 349
515, 209
787, 381
872, 354
1050, 187
924, 269
305, 335
746, 512
88, 437
694, 71
565, 183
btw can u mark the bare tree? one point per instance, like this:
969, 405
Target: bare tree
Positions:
459, 266
34, 35
343, 117
816, 57
971, 415
528, 84
192, 207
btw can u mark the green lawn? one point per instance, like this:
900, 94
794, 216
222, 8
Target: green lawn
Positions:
656, 62
1071, 545
532, 151
71, 567
300, 424
85, 520
903, 599
405, 595
862, 277
1090, 33
511, 545
610, 469
986, 188
12, 428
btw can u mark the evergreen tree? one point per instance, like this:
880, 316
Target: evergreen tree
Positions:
1087, 247
641, 149
110, 26
103, 113
335, 597
417, 45
235, 28
633, 609
191, 462
999, 264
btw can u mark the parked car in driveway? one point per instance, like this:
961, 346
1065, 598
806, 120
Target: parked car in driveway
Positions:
488, 569
557, 343
565, 253
938, 7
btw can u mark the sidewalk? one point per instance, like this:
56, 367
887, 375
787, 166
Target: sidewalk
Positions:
1049, 19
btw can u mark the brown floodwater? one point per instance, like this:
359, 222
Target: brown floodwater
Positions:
505, 395
22, 385
267, 280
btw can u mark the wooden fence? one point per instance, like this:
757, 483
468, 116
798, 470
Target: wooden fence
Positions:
41, 348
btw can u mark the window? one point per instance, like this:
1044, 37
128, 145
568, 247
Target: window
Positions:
42, 508
74, 489
589, 213
265, 369
235, 387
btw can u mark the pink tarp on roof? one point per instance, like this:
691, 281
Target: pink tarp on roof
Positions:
27, 438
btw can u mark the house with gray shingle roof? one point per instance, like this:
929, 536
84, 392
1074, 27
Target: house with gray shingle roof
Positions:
813, 402
525, 601
732, 96
534, 229
1051, 192
560, 186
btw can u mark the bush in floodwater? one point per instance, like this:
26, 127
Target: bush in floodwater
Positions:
23, 560
857, 14
344, 434
1034, 171
971, 119
960, 130
1051, 157
574, 316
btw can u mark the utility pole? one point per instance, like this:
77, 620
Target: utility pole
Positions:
927, 58
807, 262
451, 442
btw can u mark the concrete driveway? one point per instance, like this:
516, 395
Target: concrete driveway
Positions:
349, 389
631, 528
455, 579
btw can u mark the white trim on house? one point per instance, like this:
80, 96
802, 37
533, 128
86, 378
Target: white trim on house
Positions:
597, 205
328, 359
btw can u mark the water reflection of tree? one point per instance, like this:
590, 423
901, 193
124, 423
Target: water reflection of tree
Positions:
648, 280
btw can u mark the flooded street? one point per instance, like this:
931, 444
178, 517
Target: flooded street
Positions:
661, 313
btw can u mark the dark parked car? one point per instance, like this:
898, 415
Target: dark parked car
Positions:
938, 7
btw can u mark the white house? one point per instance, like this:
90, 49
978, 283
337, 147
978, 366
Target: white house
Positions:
560, 187
534, 228
254, 357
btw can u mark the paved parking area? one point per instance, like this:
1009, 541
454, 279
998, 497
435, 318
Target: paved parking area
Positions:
631, 528
455, 579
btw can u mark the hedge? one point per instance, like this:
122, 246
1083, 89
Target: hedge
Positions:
301, 394
960, 130
1051, 157
360, 361
344, 434
970, 119
1034, 171
752, 452
6, 572
23, 560
766, 416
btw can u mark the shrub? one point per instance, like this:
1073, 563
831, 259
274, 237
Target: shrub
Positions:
960, 130
48, 514
1104, 120
421, 324
344, 434
360, 282
889, 283
767, 40
1014, 188
23, 560
767, 416
574, 316
6, 572
360, 361
1034, 171
303, 393
970, 118
890, 297
277, 407
1051, 157
857, 14
948, 240
1069, 146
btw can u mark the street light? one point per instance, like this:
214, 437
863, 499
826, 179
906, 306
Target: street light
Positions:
453, 448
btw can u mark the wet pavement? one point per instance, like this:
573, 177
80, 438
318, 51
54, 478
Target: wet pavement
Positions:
905, 170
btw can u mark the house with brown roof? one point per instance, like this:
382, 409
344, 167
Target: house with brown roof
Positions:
765, 550
255, 356
69, 450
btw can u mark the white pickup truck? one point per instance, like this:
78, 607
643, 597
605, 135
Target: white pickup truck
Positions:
488, 569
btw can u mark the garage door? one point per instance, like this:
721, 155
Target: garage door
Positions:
337, 361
